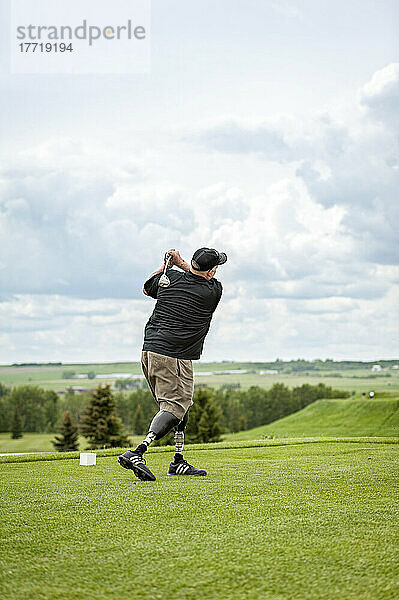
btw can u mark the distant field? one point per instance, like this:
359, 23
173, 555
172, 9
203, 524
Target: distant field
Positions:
345, 382
51, 377
333, 418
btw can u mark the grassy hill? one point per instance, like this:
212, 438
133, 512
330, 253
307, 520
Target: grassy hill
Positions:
335, 418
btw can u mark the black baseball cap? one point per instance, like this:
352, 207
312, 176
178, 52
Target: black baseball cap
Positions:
204, 259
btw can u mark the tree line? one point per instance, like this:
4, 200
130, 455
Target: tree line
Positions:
31, 409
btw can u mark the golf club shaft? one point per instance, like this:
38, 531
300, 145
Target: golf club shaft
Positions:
167, 264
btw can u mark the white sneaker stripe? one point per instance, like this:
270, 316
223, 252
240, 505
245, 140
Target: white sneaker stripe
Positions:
182, 469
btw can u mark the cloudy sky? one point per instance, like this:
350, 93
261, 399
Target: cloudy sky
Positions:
267, 129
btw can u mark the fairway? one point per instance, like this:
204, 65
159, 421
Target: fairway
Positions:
31, 442
296, 521
40, 442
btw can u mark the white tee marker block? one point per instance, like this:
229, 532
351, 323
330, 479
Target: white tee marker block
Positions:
87, 458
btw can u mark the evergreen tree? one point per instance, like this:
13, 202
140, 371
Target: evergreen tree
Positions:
38, 408
280, 402
100, 423
255, 406
237, 419
75, 403
5, 408
139, 423
51, 410
4, 390
203, 424
68, 438
16, 426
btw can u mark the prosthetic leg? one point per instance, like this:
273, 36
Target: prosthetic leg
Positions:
179, 466
161, 424
179, 438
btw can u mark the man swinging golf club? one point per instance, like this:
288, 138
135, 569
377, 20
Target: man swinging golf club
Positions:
174, 337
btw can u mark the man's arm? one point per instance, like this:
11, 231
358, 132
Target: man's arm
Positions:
152, 275
178, 261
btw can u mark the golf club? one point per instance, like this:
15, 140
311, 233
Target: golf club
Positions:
164, 279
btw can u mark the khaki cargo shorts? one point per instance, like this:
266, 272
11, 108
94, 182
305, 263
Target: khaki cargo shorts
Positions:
171, 381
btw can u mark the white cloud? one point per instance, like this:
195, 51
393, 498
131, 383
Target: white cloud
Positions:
312, 255
349, 160
287, 9
54, 327
381, 95
240, 136
83, 232
63, 239
284, 328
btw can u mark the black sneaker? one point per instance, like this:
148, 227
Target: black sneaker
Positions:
136, 462
183, 468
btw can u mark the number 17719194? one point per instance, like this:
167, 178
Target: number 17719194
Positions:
45, 47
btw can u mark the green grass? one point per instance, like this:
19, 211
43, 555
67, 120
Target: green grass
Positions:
281, 522
38, 442
30, 442
334, 418
223, 445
